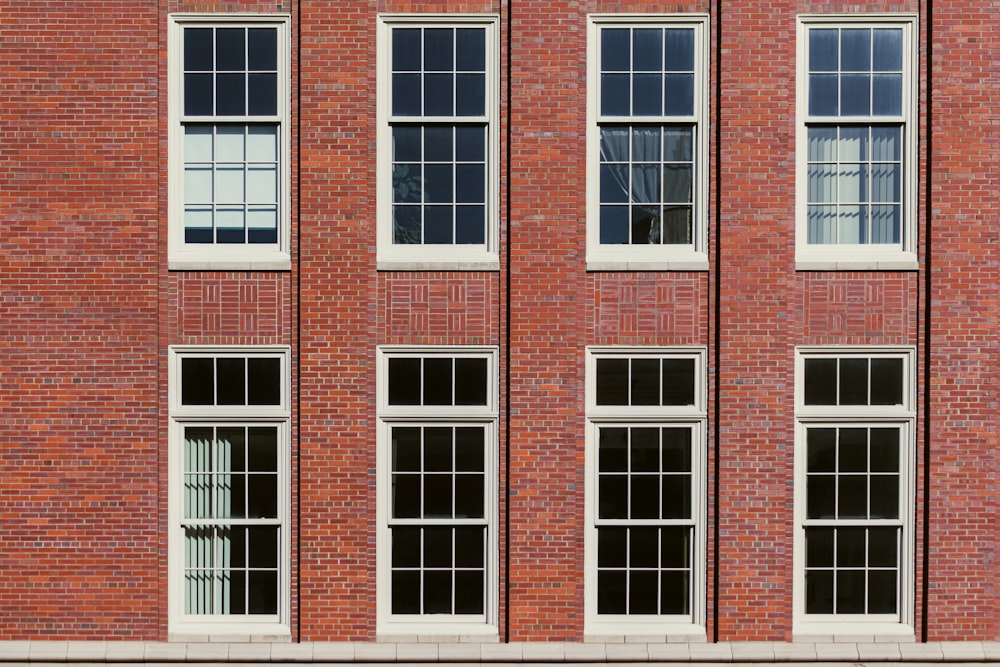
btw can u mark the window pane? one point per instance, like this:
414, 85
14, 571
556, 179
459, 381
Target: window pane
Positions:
851, 547
852, 497
644, 497
438, 454
612, 491
820, 381
198, 94
439, 49
470, 95
821, 497
230, 52
884, 497
675, 547
264, 381
231, 376
853, 450
823, 95
647, 95
823, 50
470, 49
437, 381
611, 591
853, 381
887, 95
643, 592
470, 546
404, 381
888, 50
882, 591
615, 49
855, 53
644, 547
679, 43
406, 97
819, 591
819, 547
406, 50
850, 592
262, 49
647, 50
230, 94
612, 381
439, 94
678, 381
405, 546
675, 592
887, 381
883, 545
615, 95
198, 381
884, 449
612, 547
262, 94
612, 450
469, 592
471, 379
406, 448
855, 94
198, 49
676, 449
645, 382
679, 92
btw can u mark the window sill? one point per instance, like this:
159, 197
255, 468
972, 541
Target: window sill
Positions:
409, 631
431, 265
833, 631
640, 258
657, 631
855, 259
189, 631
211, 261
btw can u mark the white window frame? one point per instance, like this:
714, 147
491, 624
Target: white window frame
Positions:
686, 257
898, 256
415, 257
691, 626
901, 416
183, 625
221, 256
456, 625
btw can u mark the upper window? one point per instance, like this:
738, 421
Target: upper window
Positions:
647, 149
437, 548
229, 138
438, 143
645, 552
854, 485
228, 501
857, 138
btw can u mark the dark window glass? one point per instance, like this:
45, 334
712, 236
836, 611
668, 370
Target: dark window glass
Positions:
821, 447
264, 381
644, 547
405, 592
853, 450
404, 381
820, 381
819, 547
230, 49
643, 592
438, 449
675, 548
615, 45
612, 547
611, 591
438, 381
198, 50
405, 546
645, 449
406, 49
645, 382
262, 449
469, 592
850, 591
405, 448
471, 380
612, 382
678, 382
820, 497
679, 43
262, 94
470, 543
819, 591
230, 94
263, 549
437, 546
853, 381
887, 381
675, 592
198, 94
676, 449
231, 377
469, 453
470, 49
198, 381
823, 50
262, 49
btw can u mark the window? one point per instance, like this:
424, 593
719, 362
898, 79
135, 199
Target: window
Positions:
229, 143
645, 540
856, 143
438, 143
646, 143
437, 545
854, 489
228, 501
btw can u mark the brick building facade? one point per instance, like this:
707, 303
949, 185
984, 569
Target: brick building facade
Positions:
571, 322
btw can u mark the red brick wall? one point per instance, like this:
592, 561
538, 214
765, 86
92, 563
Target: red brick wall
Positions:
79, 537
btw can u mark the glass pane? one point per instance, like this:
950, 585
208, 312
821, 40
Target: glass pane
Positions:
678, 382
644, 449
439, 143
405, 546
404, 381
262, 225
882, 591
469, 592
884, 449
615, 44
612, 492
853, 450
229, 225
614, 183
229, 186
851, 547
406, 49
676, 449
262, 94
885, 143
262, 497
822, 224
674, 593
853, 381
613, 449
615, 95
470, 49
230, 94
469, 495
470, 95
439, 49
197, 144
471, 379
883, 544
406, 95
888, 50
679, 92
405, 592
439, 183
197, 225
885, 183
643, 592
679, 44
230, 52
887, 382
821, 497
819, 547
885, 224
852, 224
821, 450
470, 224
470, 143
439, 225
262, 49
406, 144
438, 381
823, 95
819, 592
612, 549
676, 502
469, 546
262, 546
675, 547
647, 50
438, 449
852, 497
231, 376
264, 381
470, 183
855, 94
884, 497
822, 183
262, 143
822, 144
850, 592
644, 547
820, 381
611, 592
407, 183
645, 382
406, 448
614, 225
677, 143
647, 95
612, 381
198, 49
198, 94
197, 381
855, 53
439, 94
644, 500
853, 183
677, 184
262, 449
823, 50
437, 547
262, 185
887, 94
406, 497
438, 497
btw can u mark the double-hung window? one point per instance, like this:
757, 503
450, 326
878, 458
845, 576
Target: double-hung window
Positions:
645, 541
229, 206
647, 147
854, 488
437, 462
438, 147
856, 143
228, 498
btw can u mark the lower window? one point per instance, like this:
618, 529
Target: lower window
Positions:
854, 488
229, 453
437, 548
644, 552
